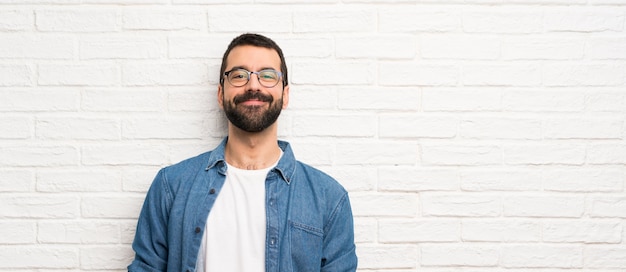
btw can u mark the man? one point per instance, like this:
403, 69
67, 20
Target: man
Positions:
248, 205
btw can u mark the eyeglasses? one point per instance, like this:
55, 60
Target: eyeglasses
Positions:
268, 78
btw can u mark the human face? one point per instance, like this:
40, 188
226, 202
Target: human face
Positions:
252, 107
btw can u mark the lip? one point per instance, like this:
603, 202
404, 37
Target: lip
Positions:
253, 102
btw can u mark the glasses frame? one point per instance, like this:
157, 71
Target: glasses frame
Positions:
280, 76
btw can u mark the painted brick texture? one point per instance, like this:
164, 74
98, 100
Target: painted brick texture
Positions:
472, 135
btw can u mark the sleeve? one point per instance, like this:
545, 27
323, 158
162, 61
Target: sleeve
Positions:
150, 243
339, 250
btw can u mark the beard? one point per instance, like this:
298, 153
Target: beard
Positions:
252, 118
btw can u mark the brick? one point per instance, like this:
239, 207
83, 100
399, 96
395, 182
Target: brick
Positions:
459, 47
128, 228
544, 206
460, 154
541, 256
15, 127
465, 99
501, 75
126, 2
532, 100
544, 154
29, 46
606, 154
39, 100
92, 74
39, 156
77, 128
191, 100
584, 20
39, 206
112, 207
21, 232
138, 179
418, 231
306, 46
571, 231
317, 73
17, 180
461, 205
354, 178
106, 257
417, 74
123, 154
418, 19
376, 46
38, 257
542, 48
501, 128
384, 205
497, 230
584, 74
335, 125
165, 128
497, 20
365, 230
124, 100
314, 98
171, 18
387, 256
151, 74
122, 47
498, 179
78, 181
459, 255
598, 127
608, 206
78, 232
417, 126
605, 256
248, 20
379, 153
353, 20
584, 180
17, 20
605, 101
16, 75
373, 98
197, 46
77, 20
314, 153
411, 179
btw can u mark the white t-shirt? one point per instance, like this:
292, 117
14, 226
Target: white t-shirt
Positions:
234, 238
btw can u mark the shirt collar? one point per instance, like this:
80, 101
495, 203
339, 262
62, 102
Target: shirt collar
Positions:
286, 166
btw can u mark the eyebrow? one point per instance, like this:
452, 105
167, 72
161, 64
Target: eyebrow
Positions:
245, 68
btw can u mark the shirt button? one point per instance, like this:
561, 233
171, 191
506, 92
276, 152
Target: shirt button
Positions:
212, 191
198, 229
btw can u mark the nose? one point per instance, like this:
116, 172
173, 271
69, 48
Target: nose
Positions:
254, 82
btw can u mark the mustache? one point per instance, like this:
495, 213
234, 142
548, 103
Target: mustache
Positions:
252, 96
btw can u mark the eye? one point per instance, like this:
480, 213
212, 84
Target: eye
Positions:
268, 75
238, 74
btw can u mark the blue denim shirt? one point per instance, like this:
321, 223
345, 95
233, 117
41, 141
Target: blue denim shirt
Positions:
309, 219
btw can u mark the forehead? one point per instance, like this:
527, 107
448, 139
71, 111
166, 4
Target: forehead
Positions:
252, 57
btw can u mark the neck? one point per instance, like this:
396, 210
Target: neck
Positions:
252, 151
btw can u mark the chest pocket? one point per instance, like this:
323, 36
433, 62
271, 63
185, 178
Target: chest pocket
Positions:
306, 247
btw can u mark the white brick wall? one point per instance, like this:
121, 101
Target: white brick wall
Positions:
473, 135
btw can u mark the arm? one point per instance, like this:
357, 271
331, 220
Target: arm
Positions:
339, 249
150, 244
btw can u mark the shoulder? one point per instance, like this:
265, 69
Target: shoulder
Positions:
318, 180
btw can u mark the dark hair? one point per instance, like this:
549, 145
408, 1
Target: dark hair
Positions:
254, 40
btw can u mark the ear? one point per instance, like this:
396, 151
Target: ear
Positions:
220, 96
285, 96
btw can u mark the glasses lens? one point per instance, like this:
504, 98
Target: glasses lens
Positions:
238, 77
269, 78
